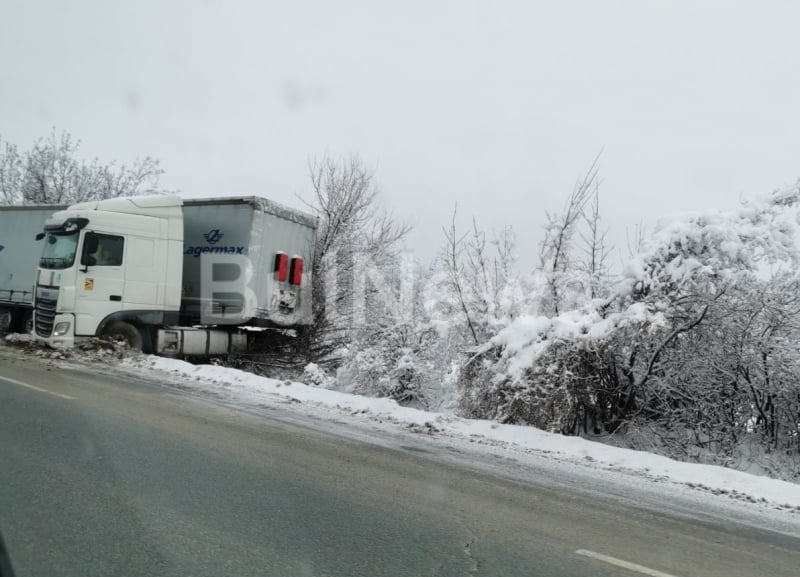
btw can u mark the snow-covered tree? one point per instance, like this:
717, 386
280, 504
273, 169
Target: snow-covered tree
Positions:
566, 285
481, 280
51, 172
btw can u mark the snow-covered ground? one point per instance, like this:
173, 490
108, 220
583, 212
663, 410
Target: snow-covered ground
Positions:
515, 451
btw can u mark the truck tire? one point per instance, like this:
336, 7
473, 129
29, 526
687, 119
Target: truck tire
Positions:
148, 340
6, 319
27, 323
123, 332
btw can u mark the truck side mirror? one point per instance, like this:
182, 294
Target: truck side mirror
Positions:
90, 244
40, 236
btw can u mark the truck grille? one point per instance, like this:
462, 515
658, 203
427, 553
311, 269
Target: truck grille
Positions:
45, 315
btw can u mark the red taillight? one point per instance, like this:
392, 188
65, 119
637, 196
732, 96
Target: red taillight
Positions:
296, 273
281, 266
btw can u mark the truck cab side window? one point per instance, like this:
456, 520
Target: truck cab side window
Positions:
103, 249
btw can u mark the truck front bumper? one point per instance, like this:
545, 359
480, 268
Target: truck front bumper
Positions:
63, 334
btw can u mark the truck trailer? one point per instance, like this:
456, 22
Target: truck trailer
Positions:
173, 276
19, 256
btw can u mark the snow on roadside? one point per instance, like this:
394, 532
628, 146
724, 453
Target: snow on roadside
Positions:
251, 390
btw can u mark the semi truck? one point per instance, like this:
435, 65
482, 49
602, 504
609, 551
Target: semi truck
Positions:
173, 276
19, 255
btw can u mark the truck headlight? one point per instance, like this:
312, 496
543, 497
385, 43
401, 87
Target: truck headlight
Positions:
60, 329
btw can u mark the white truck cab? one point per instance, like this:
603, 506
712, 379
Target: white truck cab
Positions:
104, 258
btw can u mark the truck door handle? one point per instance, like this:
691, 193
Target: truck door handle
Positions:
115, 298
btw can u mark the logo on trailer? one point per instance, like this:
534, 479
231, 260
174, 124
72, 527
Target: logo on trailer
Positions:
213, 236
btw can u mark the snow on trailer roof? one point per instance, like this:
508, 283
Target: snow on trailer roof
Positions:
261, 204
33, 207
142, 204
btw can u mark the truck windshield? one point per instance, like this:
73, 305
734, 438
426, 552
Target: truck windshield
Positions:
59, 250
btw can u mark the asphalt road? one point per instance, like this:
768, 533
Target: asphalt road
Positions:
104, 477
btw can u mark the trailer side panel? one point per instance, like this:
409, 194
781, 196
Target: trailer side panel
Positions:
19, 250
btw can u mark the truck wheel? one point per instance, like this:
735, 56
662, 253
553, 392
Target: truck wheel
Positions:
126, 333
148, 341
6, 319
27, 323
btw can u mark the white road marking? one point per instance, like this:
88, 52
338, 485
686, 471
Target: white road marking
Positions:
35, 388
624, 564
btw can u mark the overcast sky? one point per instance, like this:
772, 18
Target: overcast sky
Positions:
499, 106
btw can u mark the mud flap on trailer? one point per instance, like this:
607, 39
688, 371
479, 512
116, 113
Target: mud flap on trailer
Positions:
175, 341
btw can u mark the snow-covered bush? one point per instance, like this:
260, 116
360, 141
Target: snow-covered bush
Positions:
696, 341
382, 370
313, 374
